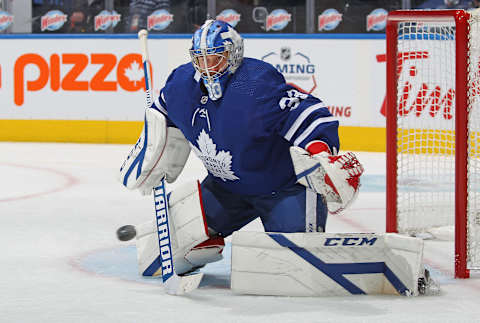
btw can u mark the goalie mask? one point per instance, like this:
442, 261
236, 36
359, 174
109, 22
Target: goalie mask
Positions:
217, 51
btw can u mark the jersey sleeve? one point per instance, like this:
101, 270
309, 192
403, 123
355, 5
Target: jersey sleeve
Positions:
298, 117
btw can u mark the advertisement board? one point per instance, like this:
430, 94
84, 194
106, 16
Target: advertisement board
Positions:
346, 74
78, 79
102, 79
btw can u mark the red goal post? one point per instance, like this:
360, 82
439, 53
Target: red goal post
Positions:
433, 144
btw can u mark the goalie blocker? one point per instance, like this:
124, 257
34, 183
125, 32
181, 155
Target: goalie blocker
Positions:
326, 264
337, 178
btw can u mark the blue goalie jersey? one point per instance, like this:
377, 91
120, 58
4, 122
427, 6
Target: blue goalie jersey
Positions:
244, 138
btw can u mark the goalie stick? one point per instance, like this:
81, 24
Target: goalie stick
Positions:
174, 284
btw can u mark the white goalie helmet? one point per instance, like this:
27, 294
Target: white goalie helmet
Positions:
217, 51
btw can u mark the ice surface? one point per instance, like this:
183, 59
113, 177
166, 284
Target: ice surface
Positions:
60, 205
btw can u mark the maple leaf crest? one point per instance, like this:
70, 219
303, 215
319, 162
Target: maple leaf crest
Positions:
134, 73
218, 165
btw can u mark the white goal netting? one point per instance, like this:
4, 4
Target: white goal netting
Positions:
426, 130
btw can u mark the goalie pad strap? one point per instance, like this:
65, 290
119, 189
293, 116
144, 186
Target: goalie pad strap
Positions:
321, 264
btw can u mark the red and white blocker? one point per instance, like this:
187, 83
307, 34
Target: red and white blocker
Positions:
337, 178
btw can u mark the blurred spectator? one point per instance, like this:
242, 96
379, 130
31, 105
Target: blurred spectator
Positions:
197, 13
444, 4
82, 15
475, 4
139, 11
42, 6
84, 12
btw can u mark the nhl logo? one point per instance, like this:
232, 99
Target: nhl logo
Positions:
296, 67
285, 53
204, 99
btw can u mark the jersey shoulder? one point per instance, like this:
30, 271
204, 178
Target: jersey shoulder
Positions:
255, 77
183, 73
258, 69
180, 80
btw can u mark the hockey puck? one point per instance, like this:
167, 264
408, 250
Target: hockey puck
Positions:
126, 232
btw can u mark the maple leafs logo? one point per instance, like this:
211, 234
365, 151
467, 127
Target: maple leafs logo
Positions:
134, 73
218, 164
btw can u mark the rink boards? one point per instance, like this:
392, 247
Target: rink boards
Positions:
90, 89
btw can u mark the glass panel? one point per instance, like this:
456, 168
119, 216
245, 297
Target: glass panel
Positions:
444, 4
248, 16
260, 16
353, 16
162, 16
128, 16
65, 16
6, 18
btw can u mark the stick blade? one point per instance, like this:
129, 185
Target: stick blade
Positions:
180, 285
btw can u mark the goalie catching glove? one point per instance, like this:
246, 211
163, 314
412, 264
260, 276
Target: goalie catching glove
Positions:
160, 152
337, 178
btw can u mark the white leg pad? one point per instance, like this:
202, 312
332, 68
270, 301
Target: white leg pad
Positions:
325, 264
191, 244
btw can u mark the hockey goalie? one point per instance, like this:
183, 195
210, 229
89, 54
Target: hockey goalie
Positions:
271, 152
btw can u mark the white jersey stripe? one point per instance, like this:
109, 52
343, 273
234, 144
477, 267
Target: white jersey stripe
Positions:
310, 211
196, 77
312, 127
160, 106
302, 118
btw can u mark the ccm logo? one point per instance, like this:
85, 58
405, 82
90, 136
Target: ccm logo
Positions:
129, 73
352, 241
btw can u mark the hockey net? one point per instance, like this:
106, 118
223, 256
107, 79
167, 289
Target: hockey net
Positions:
433, 128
